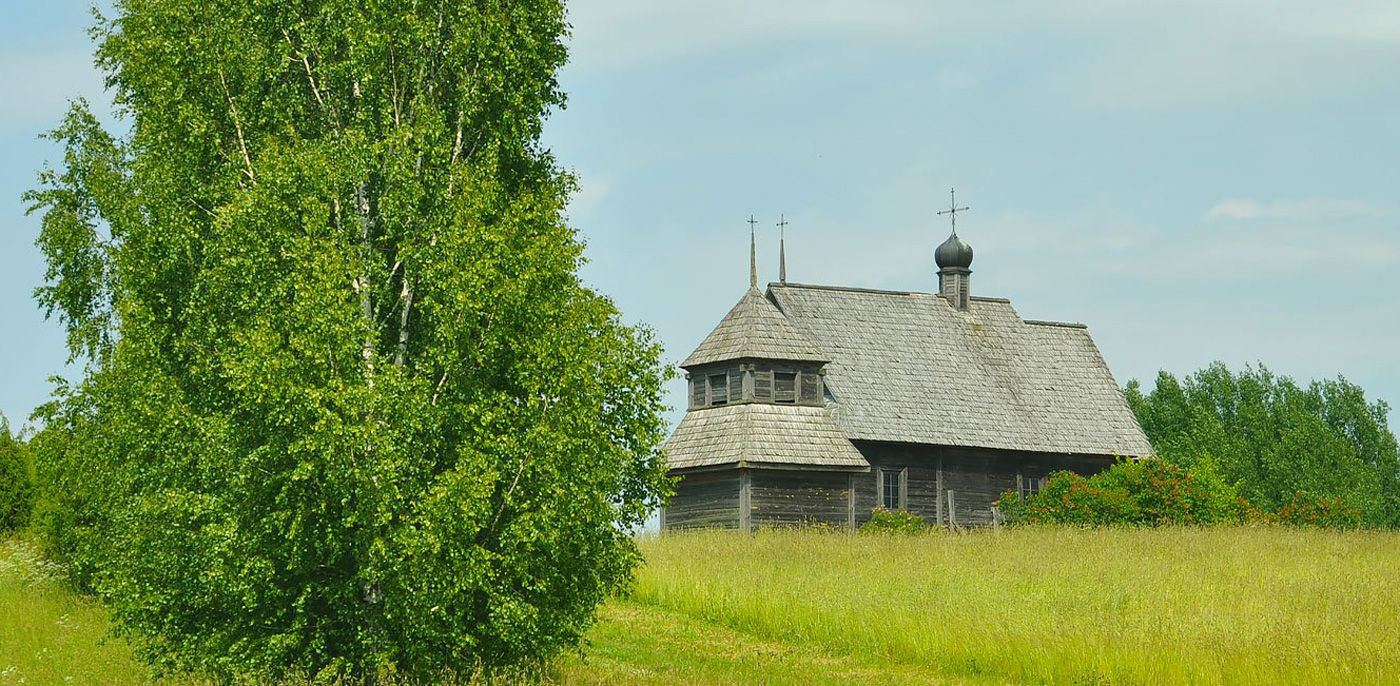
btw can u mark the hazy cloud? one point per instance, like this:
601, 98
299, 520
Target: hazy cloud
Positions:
1309, 210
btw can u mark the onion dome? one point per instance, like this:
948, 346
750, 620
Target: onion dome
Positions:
954, 253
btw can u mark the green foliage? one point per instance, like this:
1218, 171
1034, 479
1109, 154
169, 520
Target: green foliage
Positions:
1133, 492
347, 409
16, 481
883, 521
1277, 439
1302, 510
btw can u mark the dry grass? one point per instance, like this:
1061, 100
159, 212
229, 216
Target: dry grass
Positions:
1033, 605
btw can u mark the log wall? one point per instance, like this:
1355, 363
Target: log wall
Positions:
977, 477
704, 499
790, 497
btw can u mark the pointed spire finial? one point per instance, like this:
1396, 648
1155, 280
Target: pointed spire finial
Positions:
953, 210
753, 255
782, 248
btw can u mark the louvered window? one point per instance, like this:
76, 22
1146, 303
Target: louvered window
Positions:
785, 387
810, 385
719, 389
763, 385
697, 392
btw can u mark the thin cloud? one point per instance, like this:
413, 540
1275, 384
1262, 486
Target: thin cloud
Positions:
1311, 210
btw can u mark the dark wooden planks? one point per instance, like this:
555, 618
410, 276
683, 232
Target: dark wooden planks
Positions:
705, 499
799, 497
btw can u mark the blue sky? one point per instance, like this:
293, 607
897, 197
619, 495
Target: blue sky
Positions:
1194, 180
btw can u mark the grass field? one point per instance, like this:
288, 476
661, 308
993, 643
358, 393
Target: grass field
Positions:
1030, 605
1198, 606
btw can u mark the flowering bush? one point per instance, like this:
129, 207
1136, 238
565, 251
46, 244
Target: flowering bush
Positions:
1138, 492
885, 521
1303, 510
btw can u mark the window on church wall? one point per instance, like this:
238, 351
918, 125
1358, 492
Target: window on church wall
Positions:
1028, 485
892, 488
811, 388
785, 387
719, 389
763, 385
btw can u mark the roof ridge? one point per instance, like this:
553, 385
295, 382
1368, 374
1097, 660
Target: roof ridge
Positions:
878, 291
854, 289
1046, 322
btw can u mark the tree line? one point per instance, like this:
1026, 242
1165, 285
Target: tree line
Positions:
1240, 446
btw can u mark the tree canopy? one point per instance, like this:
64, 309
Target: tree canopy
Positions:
1277, 439
347, 408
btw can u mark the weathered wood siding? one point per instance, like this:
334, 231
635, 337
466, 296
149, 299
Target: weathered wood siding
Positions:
788, 497
704, 499
977, 478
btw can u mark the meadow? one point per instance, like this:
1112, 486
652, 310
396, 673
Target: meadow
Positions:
1227, 605
1022, 605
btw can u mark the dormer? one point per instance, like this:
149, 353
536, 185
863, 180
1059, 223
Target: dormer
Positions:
755, 355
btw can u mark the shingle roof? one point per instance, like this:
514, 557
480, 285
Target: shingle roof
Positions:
909, 367
754, 328
758, 433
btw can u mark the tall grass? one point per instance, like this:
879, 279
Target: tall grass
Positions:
48, 635
1058, 605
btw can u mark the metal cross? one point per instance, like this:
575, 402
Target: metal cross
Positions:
782, 226
953, 209
752, 222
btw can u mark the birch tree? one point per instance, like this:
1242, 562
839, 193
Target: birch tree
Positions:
347, 408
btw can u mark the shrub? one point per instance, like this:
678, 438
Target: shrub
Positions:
1134, 492
1311, 511
884, 521
16, 487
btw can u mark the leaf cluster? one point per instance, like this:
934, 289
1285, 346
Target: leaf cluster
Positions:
16, 480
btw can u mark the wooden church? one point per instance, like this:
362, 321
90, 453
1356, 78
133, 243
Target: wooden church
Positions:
817, 404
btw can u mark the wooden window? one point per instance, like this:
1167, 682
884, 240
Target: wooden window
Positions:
763, 385
697, 391
719, 389
1029, 485
811, 384
784, 387
892, 488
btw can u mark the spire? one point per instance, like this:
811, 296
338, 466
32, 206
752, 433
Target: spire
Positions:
753, 256
782, 249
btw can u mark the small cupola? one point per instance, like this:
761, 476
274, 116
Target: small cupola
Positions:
954, 259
